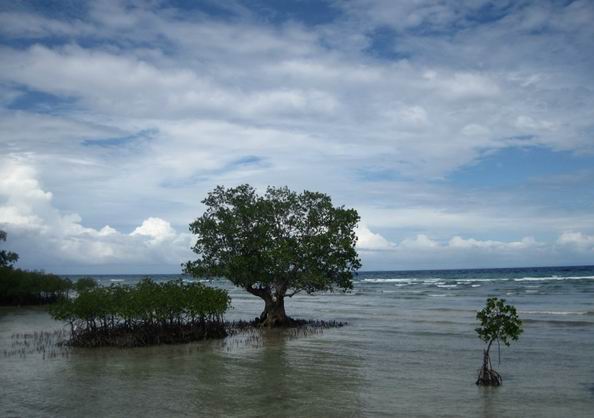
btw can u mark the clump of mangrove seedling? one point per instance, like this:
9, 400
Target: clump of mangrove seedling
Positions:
144, 314
49, 344
500, 323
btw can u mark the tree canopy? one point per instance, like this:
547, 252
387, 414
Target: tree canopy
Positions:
499, 322
276, 244
7, 258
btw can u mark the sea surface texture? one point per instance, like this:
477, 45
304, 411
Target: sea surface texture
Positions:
409, 350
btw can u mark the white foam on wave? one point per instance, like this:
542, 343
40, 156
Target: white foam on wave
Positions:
551, 278
555, 312
447, 286
116, 280
387, 280
476, 285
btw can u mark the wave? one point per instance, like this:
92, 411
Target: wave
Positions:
440, 280
557, 312
561, 323
542, 279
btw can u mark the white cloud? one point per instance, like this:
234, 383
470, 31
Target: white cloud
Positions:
156, 228
421, 241
577, 239
45, 236
240, 100
463, 85
371, 241
459, 242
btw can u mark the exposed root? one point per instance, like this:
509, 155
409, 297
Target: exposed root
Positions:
148, 335
487, 375
288, 323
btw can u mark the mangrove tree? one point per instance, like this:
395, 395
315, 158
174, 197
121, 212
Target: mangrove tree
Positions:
275, 245
499, 323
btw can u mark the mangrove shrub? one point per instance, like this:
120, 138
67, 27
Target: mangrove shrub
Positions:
84, 283
20, 287
145, 313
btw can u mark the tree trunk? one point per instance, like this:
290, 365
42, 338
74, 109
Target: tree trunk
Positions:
274, 314
274, 309
487, 376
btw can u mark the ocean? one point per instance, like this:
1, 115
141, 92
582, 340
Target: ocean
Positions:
409, 350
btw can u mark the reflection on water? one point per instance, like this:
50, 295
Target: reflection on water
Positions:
275, 372
405, 352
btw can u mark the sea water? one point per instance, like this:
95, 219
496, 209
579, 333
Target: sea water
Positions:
409, 350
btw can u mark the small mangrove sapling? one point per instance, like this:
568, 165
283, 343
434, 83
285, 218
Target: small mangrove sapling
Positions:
499, 323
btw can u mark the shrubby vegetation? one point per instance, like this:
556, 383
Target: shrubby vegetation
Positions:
143, 314
85, 283
7, 258
499, 323
20, 287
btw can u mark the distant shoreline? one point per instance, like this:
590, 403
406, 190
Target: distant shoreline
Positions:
482, 269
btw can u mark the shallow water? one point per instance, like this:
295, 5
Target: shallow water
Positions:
409, 350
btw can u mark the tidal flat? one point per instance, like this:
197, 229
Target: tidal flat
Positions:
409, 350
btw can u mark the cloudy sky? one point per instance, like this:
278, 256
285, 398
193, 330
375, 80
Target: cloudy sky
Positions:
462, 131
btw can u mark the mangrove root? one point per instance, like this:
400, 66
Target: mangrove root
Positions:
487, 376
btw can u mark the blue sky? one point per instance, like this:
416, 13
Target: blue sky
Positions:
462, 131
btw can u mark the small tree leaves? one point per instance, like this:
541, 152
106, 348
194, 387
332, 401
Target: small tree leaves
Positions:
498, 321
282, 242
7, 258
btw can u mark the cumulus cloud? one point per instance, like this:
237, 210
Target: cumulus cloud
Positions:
371, 241
577, 239
421, 241
46, 236
155, 228
459, 242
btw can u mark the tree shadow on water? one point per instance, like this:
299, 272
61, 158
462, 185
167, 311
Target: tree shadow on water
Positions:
489, 405
285, 373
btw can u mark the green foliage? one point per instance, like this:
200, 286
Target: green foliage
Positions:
146, 304
278, 244
7, 258
85, 283
20, 287
499, 322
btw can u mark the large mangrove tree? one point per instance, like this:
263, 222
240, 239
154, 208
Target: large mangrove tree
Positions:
275, 245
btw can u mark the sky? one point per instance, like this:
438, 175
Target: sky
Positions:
461, 131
